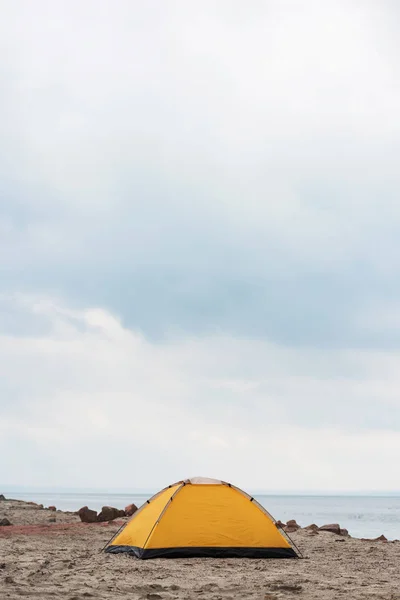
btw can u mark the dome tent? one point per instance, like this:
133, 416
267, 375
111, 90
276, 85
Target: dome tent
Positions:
202, 517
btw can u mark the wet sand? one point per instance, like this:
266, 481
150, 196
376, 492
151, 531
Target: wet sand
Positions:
43, 560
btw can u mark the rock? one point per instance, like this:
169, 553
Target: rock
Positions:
109, 513
52, 508
35, 505
52, 520
332, 528
5, 523
2, 497
381, 538
280, 524
312, 527
344, 533
292, 523
86, 515
291, 526
130, 509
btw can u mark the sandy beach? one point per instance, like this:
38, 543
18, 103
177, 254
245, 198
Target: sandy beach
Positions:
41, 558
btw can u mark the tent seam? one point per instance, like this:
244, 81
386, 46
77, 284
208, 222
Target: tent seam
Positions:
162, 513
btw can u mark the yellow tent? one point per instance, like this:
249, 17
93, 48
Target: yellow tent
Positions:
202, 517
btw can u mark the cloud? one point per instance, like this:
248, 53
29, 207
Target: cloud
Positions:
199, 241
90, 402
191, 166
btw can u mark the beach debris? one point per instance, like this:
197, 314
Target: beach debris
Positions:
87, 515
109, 513
291, 526
332, 528
286, 587
52, 508
2, 497
5, 523
130, 509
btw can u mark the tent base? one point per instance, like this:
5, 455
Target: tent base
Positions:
211, 552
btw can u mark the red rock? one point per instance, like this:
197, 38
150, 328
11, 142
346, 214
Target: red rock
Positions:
291, 526
86, 515
130, 509
312, 527
109, 513
332, 528
288, 529
52, 508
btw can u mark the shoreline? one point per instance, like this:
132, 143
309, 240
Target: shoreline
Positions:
11, 503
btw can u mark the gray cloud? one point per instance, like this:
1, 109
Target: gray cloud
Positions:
189, 165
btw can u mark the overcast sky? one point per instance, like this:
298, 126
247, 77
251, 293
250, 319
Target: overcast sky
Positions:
199, 243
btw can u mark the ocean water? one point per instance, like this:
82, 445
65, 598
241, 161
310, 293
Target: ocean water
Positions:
363, 516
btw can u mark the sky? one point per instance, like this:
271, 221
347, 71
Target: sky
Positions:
199, 243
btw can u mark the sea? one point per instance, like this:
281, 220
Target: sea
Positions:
363, 516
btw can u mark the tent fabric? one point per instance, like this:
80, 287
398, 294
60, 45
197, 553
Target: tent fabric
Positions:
202, 518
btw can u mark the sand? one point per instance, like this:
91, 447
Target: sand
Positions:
40, 559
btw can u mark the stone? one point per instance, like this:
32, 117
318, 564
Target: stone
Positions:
87, 515
52, 508
2, 497
291, 526
292, 523
332, 528
312, 527
381, 538
288, 529
5, 523
109, 513
35, 505
130, 509
280, 524
344, 533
